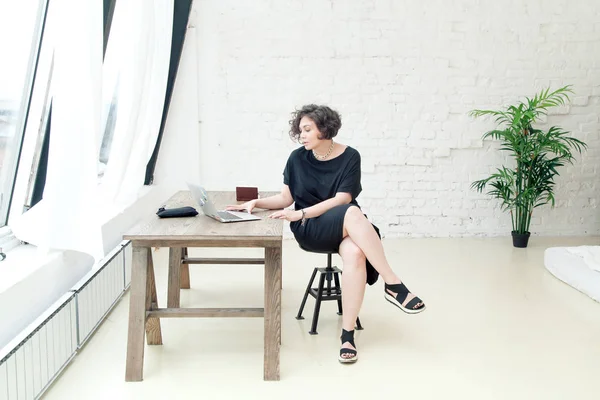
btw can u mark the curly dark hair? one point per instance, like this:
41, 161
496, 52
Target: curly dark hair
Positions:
328, 121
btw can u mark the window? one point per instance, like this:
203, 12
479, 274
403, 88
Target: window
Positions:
20, 27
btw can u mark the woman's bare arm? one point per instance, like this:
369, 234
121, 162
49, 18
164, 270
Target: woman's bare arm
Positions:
281, 200
314, 211
326, 205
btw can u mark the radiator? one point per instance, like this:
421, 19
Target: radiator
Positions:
35, 358
99, 290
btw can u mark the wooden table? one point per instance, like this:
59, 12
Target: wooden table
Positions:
178, 234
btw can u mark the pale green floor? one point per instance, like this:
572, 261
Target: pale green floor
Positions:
498, 326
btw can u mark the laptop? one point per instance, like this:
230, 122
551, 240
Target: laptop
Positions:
208, 208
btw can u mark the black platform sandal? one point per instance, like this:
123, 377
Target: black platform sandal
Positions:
348, 337
402, 293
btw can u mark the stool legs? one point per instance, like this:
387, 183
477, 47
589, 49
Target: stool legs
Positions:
310, 282
358, 325
324, 291
313, 328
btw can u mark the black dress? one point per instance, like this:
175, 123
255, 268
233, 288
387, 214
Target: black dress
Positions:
312, 181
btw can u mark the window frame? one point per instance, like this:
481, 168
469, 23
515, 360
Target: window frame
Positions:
23, 118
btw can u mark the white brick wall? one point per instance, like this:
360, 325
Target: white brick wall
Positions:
404, 75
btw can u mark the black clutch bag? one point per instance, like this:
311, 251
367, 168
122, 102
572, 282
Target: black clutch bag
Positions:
176, 212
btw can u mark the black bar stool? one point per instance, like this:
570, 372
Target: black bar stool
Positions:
324, 292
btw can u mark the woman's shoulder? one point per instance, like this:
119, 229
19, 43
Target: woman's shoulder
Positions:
297, 155
351, 152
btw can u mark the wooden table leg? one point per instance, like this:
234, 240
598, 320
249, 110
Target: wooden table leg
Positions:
272, 312
153, 332
174, 285
185, 270
134, 370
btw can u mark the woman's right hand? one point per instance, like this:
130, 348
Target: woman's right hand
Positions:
247, 206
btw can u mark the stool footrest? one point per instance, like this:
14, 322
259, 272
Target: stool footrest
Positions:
336, 294
331, 270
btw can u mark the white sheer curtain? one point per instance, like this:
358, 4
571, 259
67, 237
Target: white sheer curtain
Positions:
65, 217
74, 205
142, 88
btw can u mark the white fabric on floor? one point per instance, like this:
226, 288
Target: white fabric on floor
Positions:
578, 267
589, 254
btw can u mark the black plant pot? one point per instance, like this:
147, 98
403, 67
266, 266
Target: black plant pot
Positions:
520, 239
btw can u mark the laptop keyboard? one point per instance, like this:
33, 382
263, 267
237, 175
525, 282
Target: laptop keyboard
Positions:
226, 215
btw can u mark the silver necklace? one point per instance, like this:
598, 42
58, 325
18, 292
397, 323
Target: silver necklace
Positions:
318, 157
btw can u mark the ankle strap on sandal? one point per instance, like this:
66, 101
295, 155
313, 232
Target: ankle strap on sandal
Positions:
348, 336
397, 287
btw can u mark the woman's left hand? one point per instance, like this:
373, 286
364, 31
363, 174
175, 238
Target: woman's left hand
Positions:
289, 215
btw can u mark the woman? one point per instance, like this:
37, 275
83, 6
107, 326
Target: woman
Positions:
322, 179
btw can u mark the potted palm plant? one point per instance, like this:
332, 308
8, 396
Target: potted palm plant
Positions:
537, 153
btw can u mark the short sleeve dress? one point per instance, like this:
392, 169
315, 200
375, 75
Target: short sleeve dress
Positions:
312, 181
